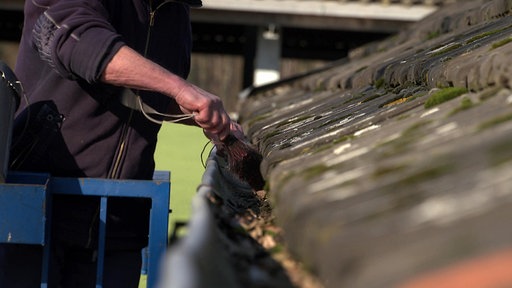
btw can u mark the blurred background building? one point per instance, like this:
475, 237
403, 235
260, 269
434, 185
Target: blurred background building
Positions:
240, 43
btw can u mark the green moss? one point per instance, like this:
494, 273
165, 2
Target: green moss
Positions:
319, 88
418, 51
404, 193
489, 93
354, 98
433, 34
342, 139
283, 180
483, 35
405, 141
397, 200
444, 95
412, 131
386, 170
447, 49
348, 101
328, 145
270, 233
426, 174
379, 83
403, 116
258, 118
501, 43
501, 153
465, 104
271, 134
285, 145
276, 249
267, 186
372, 97
486, 33
495, 121
313, 171
478, 37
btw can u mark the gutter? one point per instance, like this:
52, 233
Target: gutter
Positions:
204, 256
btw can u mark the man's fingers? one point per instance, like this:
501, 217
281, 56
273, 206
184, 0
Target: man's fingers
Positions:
209, 110
214, 123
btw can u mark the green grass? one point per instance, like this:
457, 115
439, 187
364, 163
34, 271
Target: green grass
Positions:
179, 151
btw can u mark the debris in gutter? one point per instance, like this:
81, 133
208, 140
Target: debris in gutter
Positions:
253, 241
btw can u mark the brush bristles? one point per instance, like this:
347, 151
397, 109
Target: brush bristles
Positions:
244, 161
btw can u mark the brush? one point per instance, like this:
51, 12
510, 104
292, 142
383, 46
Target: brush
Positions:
243, 161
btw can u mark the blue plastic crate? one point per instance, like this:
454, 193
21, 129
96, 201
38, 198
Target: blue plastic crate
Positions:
25, 212
23, 209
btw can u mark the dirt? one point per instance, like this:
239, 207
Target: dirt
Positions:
257, 248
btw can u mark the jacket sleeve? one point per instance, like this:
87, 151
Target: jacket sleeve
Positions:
75, 38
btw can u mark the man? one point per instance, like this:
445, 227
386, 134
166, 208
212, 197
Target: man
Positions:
77, 59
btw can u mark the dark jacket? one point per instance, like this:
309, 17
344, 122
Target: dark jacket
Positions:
75, 126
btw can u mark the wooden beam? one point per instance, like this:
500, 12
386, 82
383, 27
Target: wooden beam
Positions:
334, 15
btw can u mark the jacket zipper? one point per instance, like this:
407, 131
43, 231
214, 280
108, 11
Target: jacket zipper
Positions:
121, 148
114, 173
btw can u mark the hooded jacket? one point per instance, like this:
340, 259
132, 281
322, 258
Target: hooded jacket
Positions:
72, 124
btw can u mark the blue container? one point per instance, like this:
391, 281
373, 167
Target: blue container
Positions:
10, 91
23, 208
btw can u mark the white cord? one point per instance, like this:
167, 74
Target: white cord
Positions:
178, 117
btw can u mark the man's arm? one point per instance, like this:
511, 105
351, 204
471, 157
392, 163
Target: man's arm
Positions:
129, 69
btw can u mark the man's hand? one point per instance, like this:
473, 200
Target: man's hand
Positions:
208, 110
234, 128
129, 69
